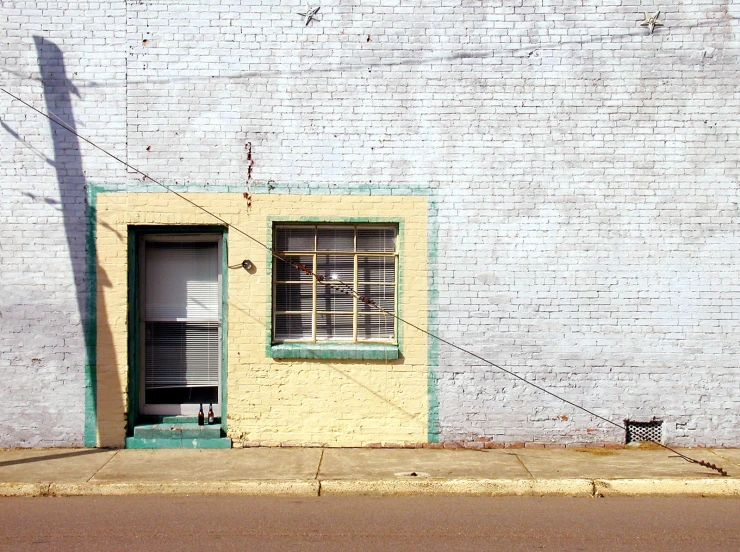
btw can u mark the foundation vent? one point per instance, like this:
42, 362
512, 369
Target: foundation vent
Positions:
644, 431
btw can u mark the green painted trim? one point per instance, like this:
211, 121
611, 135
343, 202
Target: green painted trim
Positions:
418, 189
90, 438
327, 351
224, 325
268, 272
272, 219
165, 443
433, 427
178, 228
335, 220
134, 328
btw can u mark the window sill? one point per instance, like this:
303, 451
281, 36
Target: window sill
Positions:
334, 351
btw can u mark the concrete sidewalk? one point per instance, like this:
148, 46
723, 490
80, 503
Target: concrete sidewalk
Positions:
335, 471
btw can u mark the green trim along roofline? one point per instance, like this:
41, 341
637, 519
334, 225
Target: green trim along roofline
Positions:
90, 326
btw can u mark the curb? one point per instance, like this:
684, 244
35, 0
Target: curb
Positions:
390, 487
247, 488
714, 487
24, 489
459, 487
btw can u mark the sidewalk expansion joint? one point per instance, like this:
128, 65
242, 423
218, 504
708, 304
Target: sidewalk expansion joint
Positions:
523, 465
318, 468
101, 467
724, 458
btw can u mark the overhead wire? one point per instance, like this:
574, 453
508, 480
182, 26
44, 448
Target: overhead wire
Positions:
348, 289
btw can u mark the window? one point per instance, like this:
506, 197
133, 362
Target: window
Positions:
180, 309
346, 258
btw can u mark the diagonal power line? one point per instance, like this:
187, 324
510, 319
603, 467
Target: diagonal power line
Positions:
344, 287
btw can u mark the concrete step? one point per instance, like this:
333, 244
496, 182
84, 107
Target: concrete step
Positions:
184, 420
164, 443
179, 420
177, 431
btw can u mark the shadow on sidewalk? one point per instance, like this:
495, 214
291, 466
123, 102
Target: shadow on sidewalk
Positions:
44, 457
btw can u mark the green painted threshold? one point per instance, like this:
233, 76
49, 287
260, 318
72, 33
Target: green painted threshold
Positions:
180, 435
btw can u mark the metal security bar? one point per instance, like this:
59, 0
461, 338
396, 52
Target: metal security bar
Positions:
651, 432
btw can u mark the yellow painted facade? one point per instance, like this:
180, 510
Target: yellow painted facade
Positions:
272, 401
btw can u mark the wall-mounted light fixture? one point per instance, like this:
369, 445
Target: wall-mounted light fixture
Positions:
247, 264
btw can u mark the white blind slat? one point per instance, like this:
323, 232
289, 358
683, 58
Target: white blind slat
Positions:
294, 238
334, 327
180, 354
182, 281
381, 239
335, 238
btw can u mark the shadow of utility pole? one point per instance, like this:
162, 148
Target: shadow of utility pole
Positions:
58, 90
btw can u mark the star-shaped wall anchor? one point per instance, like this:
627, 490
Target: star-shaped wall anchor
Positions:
311, 14
651, 21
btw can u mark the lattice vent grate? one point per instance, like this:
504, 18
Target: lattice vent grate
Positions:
645, 431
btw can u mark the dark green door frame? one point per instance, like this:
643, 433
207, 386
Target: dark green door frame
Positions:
134, 350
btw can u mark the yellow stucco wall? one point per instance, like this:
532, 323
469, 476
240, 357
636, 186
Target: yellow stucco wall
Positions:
271, 401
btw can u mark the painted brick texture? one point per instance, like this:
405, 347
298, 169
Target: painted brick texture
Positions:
583, 172
68, 57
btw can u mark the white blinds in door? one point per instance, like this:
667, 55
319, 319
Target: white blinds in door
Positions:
182, 281
181, 311
181, 354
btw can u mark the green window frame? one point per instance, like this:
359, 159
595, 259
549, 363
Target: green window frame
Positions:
317, 269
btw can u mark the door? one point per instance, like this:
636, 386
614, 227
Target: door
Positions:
180, 324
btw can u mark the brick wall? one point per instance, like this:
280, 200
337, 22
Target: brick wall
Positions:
584, 174
68, 57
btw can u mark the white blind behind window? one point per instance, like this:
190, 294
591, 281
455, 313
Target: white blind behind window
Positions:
181, 281
181, 314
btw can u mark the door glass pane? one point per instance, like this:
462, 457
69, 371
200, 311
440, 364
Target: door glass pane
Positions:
181, 280
181, 353
181, 326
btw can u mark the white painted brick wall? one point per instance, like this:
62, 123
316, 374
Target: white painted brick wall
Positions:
585, 174
42, 214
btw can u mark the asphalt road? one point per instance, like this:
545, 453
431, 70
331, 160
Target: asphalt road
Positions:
369, 523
